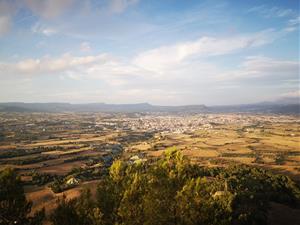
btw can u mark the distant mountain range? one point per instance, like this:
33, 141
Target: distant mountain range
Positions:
266, 107
95, 107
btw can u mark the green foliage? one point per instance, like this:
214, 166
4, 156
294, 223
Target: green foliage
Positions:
173, 191
57, 185
81, 211
117, 171
42, 178
196, 205
14, 208
133, 213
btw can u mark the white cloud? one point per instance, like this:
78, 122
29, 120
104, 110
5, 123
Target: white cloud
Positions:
49, 31
85, 47
47, 65
48, 8
295, 21
260, 68
291, 94
108, 69
166, 57
176, 72
166, 63
114, 72
191, 82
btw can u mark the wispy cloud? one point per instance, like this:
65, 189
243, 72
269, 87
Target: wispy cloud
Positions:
47, 65
85, 47
294, 21
130, 50
291, 94
269, 12
165, 62
52, 10
124, 82
164, 57
261, 69
38, 28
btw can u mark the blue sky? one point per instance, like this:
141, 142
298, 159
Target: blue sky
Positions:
170, 52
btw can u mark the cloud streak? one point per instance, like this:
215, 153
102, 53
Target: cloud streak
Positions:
260, 69
162, 58
47, 65
271, 12
44, 30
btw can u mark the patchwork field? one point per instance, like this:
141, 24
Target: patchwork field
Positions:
274, 146
61, 153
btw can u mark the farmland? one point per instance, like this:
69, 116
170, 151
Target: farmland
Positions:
58, 153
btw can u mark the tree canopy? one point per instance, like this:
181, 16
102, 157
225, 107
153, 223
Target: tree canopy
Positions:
174, 191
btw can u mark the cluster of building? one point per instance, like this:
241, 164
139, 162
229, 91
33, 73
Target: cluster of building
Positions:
190, 123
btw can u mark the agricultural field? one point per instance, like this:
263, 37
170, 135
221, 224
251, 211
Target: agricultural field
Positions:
60, 153
268, 145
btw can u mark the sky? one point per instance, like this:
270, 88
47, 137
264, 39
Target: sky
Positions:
171, 52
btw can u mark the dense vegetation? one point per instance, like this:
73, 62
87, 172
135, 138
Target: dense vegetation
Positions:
165, 192
31, 160
173, 191
11, 153
14, 208
60, 183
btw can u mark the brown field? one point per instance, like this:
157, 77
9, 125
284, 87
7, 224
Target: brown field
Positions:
44, 198
59, 143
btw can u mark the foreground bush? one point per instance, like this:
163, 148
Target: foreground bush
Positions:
173, 191
14, 208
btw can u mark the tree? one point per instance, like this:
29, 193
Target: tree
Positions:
14, 208
65, 213
117, 171
78, 211
131, 210
172, 191
197, 204
86, 208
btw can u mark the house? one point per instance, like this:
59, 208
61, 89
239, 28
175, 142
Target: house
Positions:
72, 181
136, 159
